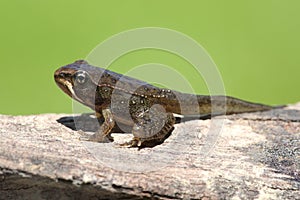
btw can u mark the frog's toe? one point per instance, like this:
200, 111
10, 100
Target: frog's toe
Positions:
132, 143
83, 136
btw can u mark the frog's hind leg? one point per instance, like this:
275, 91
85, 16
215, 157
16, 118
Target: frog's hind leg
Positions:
157, 138
151, 129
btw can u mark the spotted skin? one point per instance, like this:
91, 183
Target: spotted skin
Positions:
146, 108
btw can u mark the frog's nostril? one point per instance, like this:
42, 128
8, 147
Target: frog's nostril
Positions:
61, 75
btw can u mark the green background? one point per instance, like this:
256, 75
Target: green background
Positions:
255, 44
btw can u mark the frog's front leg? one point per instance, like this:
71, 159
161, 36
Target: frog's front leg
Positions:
151, 128
103, 133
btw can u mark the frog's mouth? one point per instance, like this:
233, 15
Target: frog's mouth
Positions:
62, 84
67, 87
73, 94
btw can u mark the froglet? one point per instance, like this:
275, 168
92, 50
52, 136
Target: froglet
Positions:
148, 109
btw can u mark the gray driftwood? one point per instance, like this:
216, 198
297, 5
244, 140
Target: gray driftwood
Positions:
246, 156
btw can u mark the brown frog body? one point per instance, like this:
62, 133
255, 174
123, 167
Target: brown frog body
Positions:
146, 108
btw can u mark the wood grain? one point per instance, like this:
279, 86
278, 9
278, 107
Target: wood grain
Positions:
245, 156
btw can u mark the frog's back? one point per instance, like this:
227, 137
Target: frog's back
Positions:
106, 78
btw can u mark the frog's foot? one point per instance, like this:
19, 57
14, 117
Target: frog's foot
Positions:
131, 143
146, 142
95, 137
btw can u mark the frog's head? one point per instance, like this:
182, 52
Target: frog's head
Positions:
75, 80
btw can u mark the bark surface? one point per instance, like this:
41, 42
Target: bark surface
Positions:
245, 156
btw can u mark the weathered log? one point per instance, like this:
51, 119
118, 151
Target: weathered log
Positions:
245, 156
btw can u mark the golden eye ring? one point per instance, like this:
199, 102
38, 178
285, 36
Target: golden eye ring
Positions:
81, 77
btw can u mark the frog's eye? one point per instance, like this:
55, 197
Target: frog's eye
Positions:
81, 77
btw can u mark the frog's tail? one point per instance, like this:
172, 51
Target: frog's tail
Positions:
229, 105
192, 105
